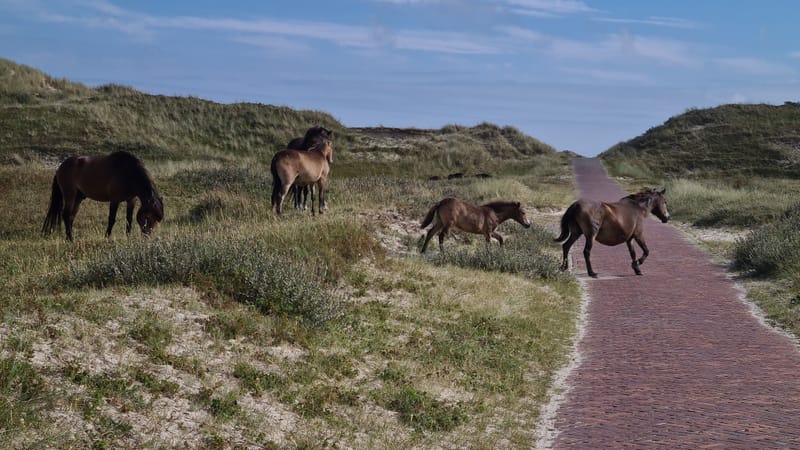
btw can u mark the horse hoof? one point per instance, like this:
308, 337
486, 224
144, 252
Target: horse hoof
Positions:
639, 273
593, 274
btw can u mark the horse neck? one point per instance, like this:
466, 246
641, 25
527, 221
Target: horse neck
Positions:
502, 212
641, 205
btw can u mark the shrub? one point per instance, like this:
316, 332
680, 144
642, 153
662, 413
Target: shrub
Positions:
525, 254
772, 249
249, 272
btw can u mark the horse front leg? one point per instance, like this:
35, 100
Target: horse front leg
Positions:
645, 250
497, 236
321, 197
112, 217
129, 215
634, 263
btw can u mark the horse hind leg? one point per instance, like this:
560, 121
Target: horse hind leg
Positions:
70, 211
587, 253
428, 237
566, 246
442, 235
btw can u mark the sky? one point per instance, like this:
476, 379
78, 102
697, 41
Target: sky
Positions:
578, 75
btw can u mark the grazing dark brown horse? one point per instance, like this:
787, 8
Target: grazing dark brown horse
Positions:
118, 177
612, 224
452, 212
301, 168
313, 136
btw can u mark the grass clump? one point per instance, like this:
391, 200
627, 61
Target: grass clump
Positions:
248, 272
772, 249
525, 254
719, 203
21, 392
423, 412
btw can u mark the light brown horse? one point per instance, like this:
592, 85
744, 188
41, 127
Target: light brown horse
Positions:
313, 136
301, 168
118, 177
612, 224
452, 212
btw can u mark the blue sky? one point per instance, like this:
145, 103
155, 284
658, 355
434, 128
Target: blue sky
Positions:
578, 75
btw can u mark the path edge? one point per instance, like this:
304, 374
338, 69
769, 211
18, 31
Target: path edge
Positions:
546, 431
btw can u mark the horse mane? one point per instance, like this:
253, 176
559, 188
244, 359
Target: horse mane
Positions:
134, 169
314, 136
501, 205
645, 195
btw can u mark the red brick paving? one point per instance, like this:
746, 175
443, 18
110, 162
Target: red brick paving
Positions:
673, 359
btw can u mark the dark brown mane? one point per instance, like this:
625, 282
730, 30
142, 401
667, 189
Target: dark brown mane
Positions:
500, 205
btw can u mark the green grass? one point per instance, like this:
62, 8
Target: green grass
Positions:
276, 332
725, 142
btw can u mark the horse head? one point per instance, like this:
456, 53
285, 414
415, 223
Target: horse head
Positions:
520, 216
656, 203
150, 213
326, 148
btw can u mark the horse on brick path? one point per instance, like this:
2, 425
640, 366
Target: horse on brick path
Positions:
611, 224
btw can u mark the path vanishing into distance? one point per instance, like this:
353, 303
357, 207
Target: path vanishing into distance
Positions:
674, 358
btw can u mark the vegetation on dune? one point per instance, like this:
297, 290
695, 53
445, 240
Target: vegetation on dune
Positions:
730, 141
233, 328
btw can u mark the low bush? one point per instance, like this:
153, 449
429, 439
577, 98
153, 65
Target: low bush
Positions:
249, 272
772, 249
525, 253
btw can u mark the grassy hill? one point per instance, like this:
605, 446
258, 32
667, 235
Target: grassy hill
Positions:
233, 328
728, 141
47, 117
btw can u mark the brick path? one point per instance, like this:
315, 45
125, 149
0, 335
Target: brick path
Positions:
673, 359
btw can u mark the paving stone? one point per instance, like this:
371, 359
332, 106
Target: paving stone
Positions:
673, 359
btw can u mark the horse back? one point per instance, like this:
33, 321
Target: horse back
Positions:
116, 177
300, 166
463, 215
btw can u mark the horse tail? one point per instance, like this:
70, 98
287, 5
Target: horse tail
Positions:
53, 218
429, 217
566, 219
277, 183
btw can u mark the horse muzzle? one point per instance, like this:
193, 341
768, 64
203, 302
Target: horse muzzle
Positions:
665, 219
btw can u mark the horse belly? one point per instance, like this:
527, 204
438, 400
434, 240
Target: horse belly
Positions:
611, 235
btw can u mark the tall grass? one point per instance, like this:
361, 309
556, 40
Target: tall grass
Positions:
715, 203
528, 253
772, 249
249, 272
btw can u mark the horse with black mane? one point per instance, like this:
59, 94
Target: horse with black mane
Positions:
453, 212
313, 136
301, 168
612, 224
115, 178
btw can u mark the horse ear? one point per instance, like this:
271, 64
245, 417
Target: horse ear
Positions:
517, 204
662, 191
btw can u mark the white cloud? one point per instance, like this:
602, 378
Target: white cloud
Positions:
753, 66
794, 54
615, 47
670, 22
547, 8
264, 31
